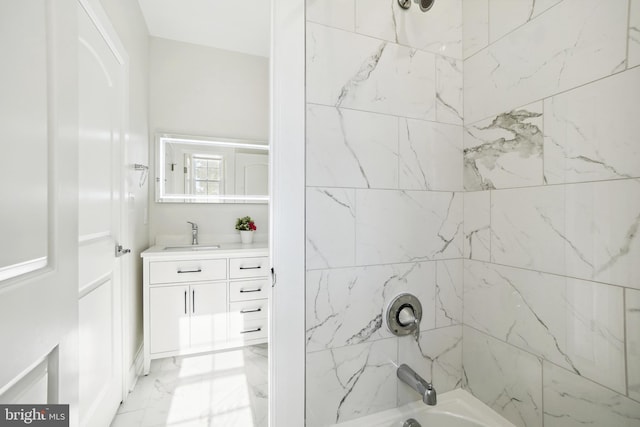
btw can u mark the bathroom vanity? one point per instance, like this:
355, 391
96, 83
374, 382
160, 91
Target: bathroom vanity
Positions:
204, 298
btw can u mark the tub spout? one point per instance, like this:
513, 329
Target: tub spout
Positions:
416, 382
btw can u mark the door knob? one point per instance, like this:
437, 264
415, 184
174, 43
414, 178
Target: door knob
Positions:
121, 251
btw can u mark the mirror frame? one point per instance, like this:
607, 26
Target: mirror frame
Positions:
162, 197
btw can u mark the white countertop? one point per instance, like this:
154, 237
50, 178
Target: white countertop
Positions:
225, 249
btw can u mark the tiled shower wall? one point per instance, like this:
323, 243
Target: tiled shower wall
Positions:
384, 200
552, 210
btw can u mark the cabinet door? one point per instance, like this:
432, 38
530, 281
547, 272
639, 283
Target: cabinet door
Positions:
208, 314
169, 318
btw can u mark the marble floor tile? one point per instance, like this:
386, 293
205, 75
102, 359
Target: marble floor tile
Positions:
216, 389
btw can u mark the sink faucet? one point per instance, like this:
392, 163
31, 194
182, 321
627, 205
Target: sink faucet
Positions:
194, 233
416, 382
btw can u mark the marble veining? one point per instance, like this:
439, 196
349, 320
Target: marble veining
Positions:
505, 378
359, 72
330, 227
634, 34
632, 309
348, 148
430, 155
405, 226
448, 292
507, 15
226, 388
439, 31
363, 74
349, 382
571, 401
587, 230
477, 224
569, 45
543, 313
346, 306
581, 124
436, 357
505, 151
449, 90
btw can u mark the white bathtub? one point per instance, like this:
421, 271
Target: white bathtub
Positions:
456, 408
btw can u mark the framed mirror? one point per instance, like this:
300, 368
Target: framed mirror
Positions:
211, 170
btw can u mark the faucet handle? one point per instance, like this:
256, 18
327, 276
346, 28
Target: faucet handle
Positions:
194, 226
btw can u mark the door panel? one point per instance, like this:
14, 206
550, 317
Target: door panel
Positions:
23, 116
97, 366
38, 221
100, 120
169, 318
252, 172
208, 313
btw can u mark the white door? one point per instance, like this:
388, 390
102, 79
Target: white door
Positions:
38, 212
252, 174
101, 129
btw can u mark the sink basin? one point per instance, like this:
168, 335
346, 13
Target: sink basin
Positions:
192, 248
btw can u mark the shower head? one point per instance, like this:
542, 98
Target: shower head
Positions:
425, 5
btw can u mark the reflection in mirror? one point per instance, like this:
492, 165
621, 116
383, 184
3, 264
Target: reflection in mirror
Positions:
211, 170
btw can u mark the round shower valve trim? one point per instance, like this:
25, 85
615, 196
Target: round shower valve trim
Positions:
404, 315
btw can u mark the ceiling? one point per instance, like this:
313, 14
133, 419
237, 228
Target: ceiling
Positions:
241, 26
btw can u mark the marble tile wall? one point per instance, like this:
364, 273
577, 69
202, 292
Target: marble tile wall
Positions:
384, 200
552, 210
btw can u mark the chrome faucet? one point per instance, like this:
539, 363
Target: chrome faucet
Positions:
194, 233
416, 382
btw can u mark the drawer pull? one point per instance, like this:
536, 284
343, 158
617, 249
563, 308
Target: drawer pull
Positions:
250, 310
247, 291
185, 302
248, 331
250, 268
190, 271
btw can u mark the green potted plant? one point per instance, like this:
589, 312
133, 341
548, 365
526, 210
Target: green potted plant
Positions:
246, 226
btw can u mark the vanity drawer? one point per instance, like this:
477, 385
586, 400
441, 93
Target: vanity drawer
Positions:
248, 290
248, 330
187, 271
248, 310
240, 268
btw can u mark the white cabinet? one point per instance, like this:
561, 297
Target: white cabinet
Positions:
208, 314
169, 318
204, 301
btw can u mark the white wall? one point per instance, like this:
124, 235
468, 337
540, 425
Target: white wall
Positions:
384, 203
128, 21
198, 90
552, 283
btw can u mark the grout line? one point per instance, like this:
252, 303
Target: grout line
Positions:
542, 388
360, 110
399, 190
625, 347
582, 279
385, 40
562, 92
539, 357
628, 34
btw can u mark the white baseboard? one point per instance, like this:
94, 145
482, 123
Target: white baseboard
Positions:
135, 370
